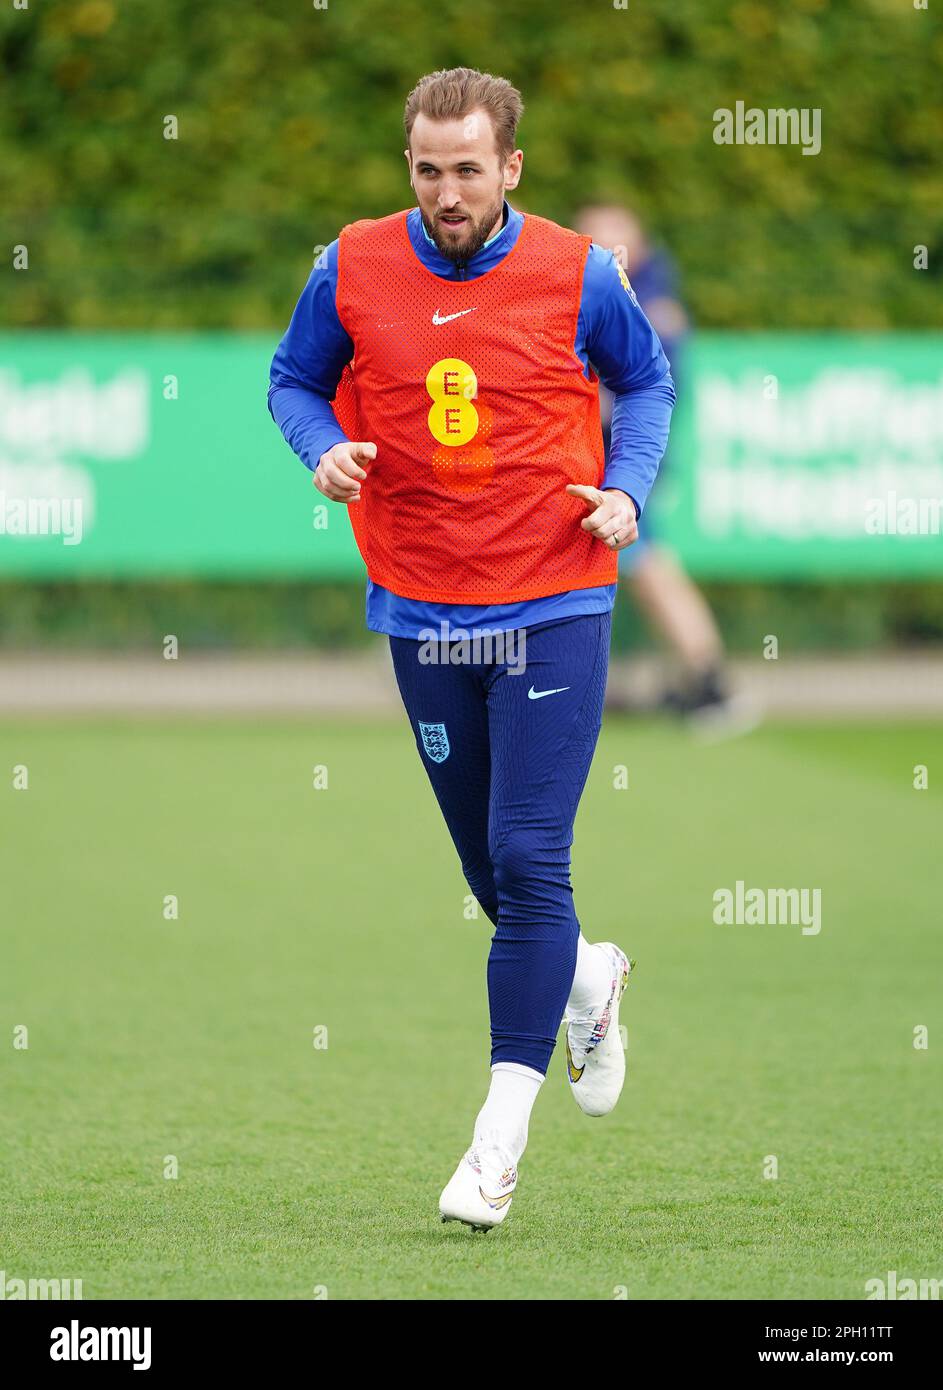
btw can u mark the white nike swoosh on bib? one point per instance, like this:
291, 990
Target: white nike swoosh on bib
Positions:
446, 318
533, 694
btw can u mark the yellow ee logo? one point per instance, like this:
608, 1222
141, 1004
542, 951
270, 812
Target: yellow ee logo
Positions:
453, 386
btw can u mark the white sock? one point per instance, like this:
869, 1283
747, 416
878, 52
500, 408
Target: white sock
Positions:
591, 981
504, 1117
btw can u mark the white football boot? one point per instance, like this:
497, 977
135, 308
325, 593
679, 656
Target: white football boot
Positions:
480, 1190
595, 1060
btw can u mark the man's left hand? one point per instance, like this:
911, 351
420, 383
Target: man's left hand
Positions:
613, 518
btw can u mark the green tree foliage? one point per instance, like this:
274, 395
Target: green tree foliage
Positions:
122, 615
290, 125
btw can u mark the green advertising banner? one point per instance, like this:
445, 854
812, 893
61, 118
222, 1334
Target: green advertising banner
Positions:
154, 455
164, 447
806, 455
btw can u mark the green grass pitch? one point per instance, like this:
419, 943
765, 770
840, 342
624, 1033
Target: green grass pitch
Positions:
306, 1169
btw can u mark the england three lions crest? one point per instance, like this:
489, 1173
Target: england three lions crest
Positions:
435, 741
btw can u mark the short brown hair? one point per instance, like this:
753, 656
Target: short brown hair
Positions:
455, 92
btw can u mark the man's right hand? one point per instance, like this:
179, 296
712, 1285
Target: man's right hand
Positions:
339, 472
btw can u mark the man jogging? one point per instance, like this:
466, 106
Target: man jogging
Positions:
439, 377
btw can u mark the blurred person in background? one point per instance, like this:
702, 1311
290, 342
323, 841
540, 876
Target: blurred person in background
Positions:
672, 603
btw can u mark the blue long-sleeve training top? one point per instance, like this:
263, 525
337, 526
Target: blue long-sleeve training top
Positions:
612, 335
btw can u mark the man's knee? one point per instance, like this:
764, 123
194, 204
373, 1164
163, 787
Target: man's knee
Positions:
522, 869
480, 878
